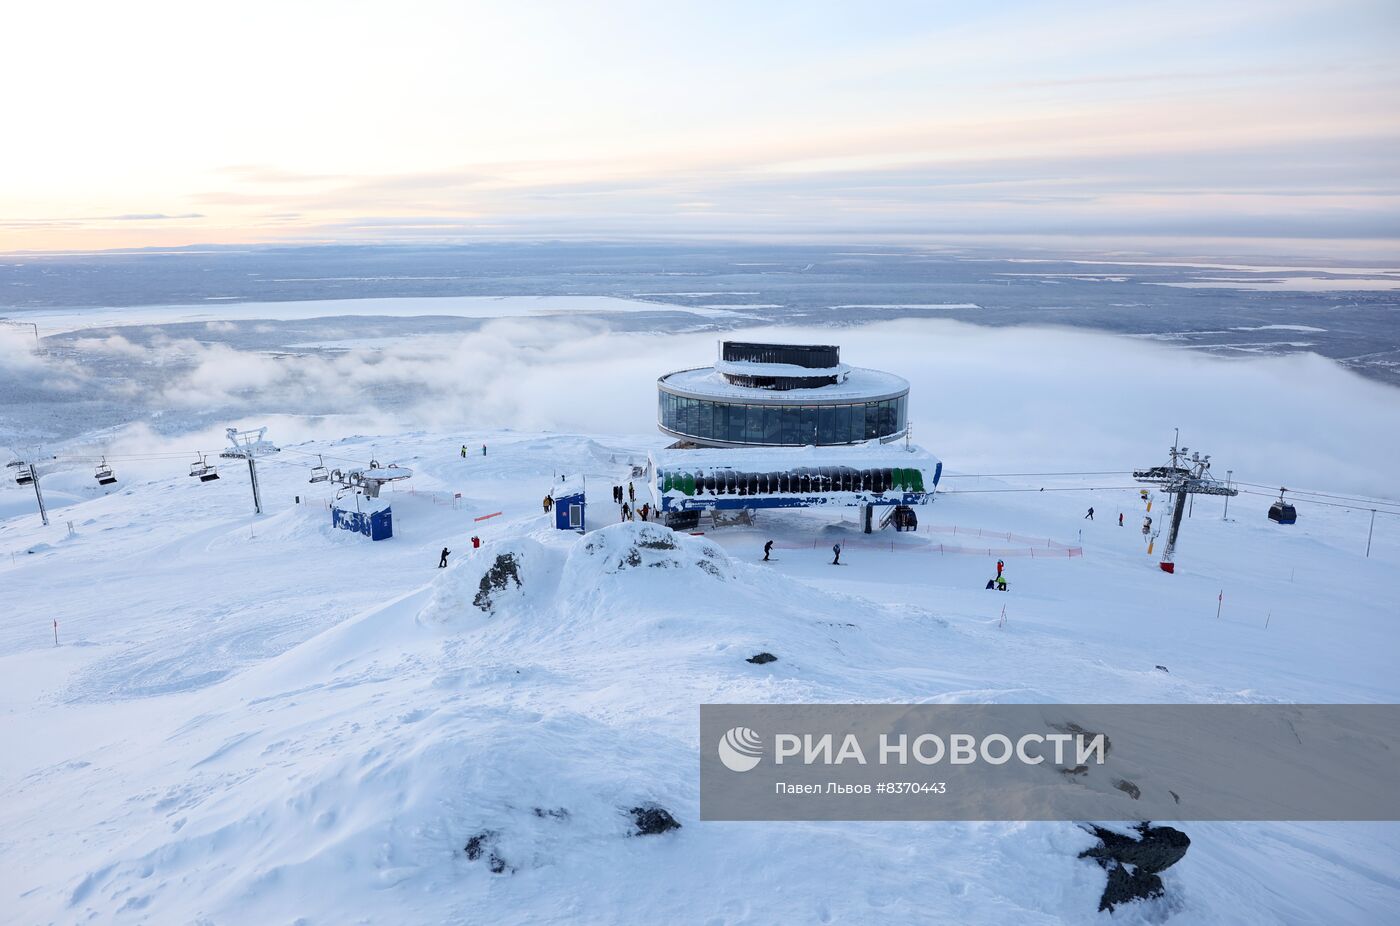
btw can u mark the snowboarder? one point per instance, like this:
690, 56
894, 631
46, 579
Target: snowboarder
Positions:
1090, 515
631, 493
1001, 583
464, 451
836, 548
767, 548
1120, 519
483, 450
1001, 564
646, 508
442, 561
626, 512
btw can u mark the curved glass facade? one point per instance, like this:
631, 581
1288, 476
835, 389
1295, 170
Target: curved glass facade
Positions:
781, 425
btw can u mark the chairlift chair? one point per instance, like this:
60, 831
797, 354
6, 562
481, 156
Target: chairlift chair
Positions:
201, 470
24, 475
319, 473
1283, 512
104, 475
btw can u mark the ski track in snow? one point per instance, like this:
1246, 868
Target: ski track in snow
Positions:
262, 718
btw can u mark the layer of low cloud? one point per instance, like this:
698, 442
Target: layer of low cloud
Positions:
986, 400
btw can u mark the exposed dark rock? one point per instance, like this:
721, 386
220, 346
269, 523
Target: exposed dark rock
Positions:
484, 843
1163, 669
479, 843
1077, 770
1128, 788
1127, 885
502, 572
760, 659
1133, 863
553, 813
652, 820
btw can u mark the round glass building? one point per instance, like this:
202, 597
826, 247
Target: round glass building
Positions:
781, 395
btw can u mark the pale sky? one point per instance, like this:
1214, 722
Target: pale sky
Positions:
143, 124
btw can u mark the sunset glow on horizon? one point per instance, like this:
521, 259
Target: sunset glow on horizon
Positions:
167, 124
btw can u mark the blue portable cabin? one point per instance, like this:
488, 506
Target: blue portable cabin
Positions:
372, 517
569, 505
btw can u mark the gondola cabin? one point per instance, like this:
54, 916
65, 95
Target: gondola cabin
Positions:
1283, 512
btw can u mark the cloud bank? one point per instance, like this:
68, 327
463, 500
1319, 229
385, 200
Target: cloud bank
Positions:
984, 399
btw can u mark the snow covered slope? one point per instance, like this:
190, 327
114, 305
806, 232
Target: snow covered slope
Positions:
264, 719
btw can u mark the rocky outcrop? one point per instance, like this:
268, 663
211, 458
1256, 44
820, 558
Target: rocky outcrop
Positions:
484, 844
652, 820
1133, 862
497, 579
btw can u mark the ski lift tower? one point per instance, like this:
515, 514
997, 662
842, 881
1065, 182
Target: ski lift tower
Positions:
249, 445
365, 481
1182, 476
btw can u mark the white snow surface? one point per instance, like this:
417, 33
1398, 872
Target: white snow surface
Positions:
263, 719
859, 383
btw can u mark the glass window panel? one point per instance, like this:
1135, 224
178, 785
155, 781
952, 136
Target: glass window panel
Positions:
808, 425
872, 420
857, 422
753, 428
843, 423
826, 425
791, 432
736, 423
771, 432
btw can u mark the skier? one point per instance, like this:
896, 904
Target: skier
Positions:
645, 509
767, 548
476, 543
836, 548
1090, 515
1001, 564
483, 450
1001, 583
632, 493
442, 562
464, 451
626, 512
1120, 519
